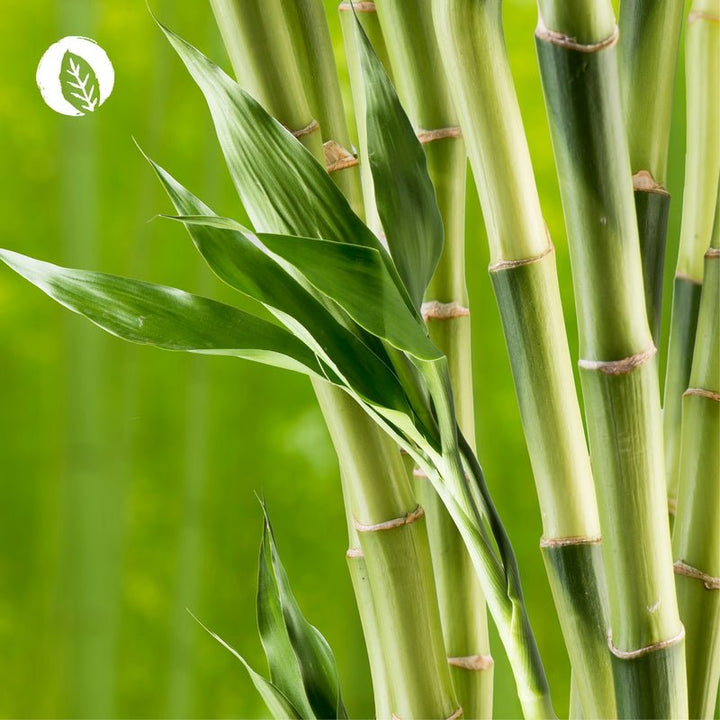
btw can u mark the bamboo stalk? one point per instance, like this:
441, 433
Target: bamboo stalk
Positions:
422, 86
396, 556
648, 48
526, 286
696, 535
702, 164
577, 54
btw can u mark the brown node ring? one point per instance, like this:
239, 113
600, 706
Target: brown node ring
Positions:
623, 366
407, 519
571, 43
640, 652
710, 582
567, 541
357, 6
471, 662
428, 136
307, 130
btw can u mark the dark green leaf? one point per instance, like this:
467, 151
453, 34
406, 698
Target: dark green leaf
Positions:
315, 658
283, 188
278, 704
166, 317
79, 83
240, 261
404, 193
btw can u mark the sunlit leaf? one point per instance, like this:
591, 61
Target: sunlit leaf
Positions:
166, 317
404, 193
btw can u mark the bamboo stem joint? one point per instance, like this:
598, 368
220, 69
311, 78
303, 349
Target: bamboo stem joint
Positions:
710, 582
640, 652
406, 519
619, 367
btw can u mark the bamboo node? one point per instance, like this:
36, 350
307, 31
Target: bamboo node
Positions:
567, 541
457, 714
419, 473
337, 157
643, 181
428, 136
307, 130
712, 253
672, 506
702, 392
357, 6
687, 278
619, 367
354, 553
710, 582
510, 264
640, 652
696, 15
436, 310
472, 662
571, 43
406, 519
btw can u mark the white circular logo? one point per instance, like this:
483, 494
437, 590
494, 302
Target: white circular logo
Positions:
75, 76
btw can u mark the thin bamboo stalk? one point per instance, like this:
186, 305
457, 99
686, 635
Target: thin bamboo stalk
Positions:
396, 554
577, 54
422, 86
702, 163
648, 48
696, 535
526, 285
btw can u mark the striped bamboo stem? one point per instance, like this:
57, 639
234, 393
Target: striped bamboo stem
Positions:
423, 89
702, 163
526, 285
388, 521
648, 48
576, 46
696, 535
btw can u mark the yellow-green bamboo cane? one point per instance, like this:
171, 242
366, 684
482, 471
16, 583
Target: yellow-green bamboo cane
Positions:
389, 523
526, 284
422, 87
576, 45
702, 163
649, 39
696, 535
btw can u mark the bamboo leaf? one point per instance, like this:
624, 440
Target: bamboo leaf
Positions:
404, 193
285, 668
354, 277
79, 83
282, 187
166, 317
240, 261
278, 704
315, 658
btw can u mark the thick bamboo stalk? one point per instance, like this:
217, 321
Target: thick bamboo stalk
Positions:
702, 163
378, 493
649, 40
423, 89
580, 80
696, 535
526, 286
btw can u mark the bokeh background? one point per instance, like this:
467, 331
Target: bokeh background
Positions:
128, 475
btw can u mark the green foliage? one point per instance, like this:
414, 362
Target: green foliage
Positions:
304, 676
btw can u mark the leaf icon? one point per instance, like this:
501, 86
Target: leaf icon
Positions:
79, 83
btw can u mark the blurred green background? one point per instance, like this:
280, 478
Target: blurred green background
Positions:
128, 475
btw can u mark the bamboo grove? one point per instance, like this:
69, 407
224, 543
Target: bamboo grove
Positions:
355, 260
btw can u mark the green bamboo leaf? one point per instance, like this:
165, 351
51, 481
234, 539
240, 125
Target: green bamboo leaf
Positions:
282, 187
278, 704
240, 261
166, 317
404, 193
354, 277
315, 658
79, 83
285, 669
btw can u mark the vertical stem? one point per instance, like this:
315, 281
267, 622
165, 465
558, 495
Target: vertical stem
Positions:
648, 47
696, 535
702, 164
389, 523
526, 285
581, 85
423, 89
